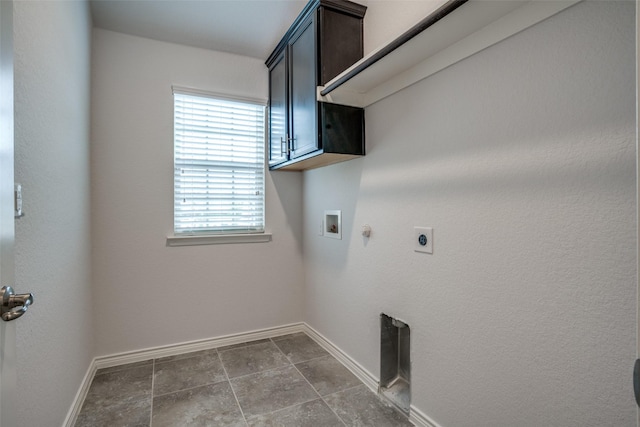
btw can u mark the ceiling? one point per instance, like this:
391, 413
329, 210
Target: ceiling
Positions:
244, 27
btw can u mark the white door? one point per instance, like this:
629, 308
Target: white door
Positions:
7, 329
636, 380
12, 306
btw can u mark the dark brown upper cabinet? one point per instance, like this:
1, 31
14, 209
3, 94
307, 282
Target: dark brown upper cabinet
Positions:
304, 133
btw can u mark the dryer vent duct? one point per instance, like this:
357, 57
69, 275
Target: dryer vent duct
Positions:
395, 363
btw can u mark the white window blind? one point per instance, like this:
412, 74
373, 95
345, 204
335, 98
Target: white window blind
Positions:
218, 165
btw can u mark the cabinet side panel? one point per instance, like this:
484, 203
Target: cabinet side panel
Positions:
340, 43
342, 129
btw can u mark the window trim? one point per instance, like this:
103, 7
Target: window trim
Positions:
215, 238
217, 95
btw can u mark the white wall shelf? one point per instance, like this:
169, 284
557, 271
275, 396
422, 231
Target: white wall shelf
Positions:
455, 31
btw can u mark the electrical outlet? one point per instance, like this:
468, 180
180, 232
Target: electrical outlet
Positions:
423, 239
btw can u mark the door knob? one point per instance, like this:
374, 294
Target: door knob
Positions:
13, 305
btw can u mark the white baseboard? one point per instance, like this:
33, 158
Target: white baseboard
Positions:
188, 347
356, 369
76, 406
416, 416
168, 350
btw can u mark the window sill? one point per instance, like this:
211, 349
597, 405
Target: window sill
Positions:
217, 239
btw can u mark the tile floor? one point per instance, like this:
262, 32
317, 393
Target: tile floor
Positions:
283, 381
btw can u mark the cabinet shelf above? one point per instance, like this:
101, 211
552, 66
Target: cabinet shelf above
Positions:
453, 32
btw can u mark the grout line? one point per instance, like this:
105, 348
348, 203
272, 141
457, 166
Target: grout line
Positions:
281, 352
306, 360
333, 410
199, 385
346, 389
259, 372
289, 363
335, 413
232, 389
188, 388
184, 356
384, 401
340, 391
196, 345
305, 378
319, 395
120, 368
243, 345
286, 336
316, 358
282, 409
155, 364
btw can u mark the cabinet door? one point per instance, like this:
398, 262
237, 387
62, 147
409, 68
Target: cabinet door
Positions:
302, 80
278, 112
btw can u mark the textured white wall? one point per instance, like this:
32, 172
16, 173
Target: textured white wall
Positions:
55, 338
385, 20
522, 158
147, 294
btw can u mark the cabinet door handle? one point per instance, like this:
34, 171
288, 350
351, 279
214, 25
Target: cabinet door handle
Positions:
289, 144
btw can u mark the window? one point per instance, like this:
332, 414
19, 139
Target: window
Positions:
219, 170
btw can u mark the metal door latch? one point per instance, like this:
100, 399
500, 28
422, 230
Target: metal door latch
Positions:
17, 201
13, 305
